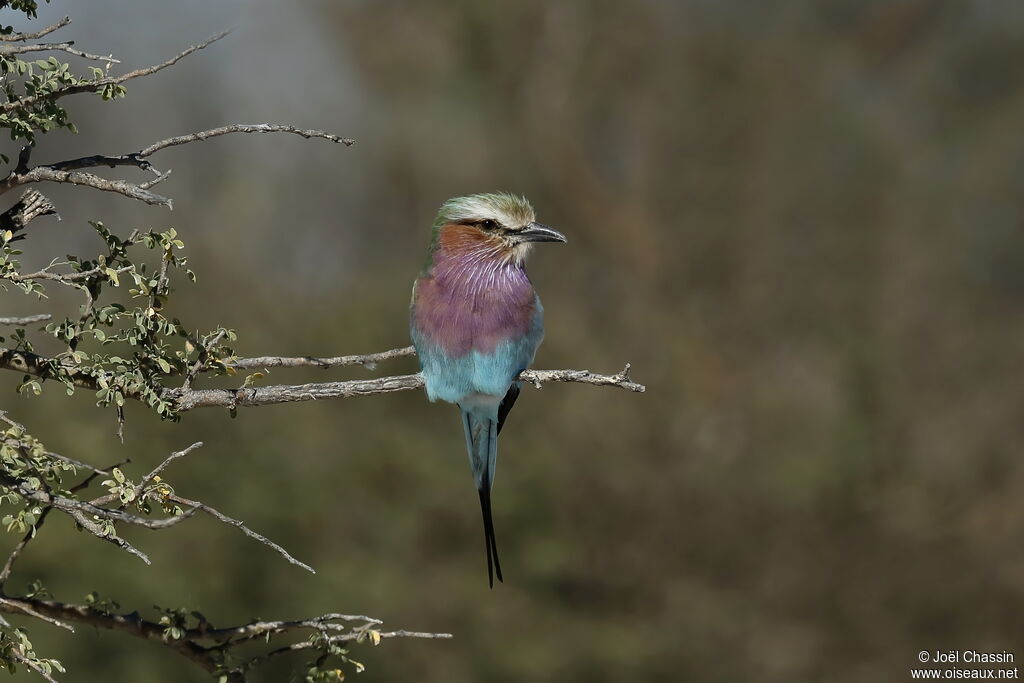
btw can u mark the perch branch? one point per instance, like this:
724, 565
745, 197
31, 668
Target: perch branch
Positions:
288, 393
186, 398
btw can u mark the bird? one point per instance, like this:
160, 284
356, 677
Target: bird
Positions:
476, 323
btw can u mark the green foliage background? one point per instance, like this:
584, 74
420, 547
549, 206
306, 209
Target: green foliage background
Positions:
800, 221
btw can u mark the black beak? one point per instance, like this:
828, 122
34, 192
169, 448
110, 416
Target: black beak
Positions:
535, 232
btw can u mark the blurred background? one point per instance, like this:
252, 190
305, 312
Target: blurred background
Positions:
800, 221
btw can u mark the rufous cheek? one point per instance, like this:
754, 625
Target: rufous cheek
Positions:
456, 237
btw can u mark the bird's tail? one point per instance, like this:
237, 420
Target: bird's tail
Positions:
481, 427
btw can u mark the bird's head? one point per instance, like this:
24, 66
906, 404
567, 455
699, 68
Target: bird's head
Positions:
499, 224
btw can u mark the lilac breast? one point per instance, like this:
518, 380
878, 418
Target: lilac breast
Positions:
469, 303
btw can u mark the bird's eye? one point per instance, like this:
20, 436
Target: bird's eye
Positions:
488, 224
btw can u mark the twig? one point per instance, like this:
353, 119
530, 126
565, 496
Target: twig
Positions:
242, 128
78, 463
201, 357
80, 512
24, 320
620, 380
160, 177
14, 37
167, 461
242, 527
5, 573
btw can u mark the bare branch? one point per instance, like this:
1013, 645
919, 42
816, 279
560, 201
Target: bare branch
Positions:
15, 37
621, 380
22, 321
242, 527
242, 128
97, 530
160, 177
203, 345
167, 461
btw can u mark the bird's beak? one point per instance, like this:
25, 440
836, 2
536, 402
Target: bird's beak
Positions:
536, 232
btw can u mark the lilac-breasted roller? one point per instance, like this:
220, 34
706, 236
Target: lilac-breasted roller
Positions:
476, 323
